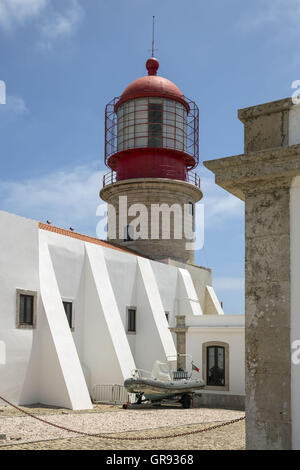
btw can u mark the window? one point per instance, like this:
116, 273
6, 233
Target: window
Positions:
215, 363
152, 122
167, 316
128, 235
191, 212
26, 309
191, 208
68, 306
155, 124
131, 320
215, 366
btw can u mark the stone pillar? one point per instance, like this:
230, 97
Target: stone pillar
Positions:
180, 331
262, 177
267, 306
157, 195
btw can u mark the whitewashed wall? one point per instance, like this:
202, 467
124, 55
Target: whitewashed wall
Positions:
225, 328
19, 269
41, 365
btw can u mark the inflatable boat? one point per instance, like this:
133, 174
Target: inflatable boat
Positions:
163, 384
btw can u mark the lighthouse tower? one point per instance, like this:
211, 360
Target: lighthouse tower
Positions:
151, 146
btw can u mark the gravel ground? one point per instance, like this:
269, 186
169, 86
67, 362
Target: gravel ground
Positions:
39, 409
112, 419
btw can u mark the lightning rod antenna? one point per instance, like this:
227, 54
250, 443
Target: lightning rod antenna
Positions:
153, 36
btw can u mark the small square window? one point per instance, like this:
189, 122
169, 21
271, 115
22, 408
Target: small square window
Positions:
131, 320
26, 309
68, 306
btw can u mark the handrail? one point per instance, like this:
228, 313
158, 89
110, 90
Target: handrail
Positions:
190, 177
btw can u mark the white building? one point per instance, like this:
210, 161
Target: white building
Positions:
77, 312
51, 358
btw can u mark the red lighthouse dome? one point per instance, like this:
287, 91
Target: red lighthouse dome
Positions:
152, 85
151, 130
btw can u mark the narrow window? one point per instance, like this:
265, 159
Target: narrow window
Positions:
69, 310
26, 310
128, 234
155, 124
192, 212
191, 208
131, 320
167, 316
26, 302
216, 366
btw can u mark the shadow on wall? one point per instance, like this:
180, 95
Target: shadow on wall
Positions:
2, 353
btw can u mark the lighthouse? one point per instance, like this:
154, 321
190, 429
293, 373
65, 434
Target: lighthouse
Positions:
151, 150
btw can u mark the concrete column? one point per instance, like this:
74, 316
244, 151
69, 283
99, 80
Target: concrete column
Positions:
180, 331
262, 177
267, 304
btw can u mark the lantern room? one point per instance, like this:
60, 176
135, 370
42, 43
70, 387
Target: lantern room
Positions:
151, 131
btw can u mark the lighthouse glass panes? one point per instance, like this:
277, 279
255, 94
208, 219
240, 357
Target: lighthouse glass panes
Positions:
174, 129
155, 122
151, 122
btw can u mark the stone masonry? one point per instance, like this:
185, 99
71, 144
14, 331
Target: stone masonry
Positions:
149, 192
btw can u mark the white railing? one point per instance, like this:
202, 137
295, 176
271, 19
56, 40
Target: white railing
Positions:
166, 170
112, 394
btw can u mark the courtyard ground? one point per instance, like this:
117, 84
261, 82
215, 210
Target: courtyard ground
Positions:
18, 431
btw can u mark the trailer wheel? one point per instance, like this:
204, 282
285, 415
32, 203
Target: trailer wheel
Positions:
186, 401
139, 397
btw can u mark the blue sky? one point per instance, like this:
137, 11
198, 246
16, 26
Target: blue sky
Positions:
63, 60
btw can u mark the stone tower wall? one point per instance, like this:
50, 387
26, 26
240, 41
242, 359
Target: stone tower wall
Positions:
149, 192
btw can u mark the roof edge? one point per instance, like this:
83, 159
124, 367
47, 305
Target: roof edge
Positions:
85, 238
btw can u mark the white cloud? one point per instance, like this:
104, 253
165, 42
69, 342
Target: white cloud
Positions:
71, 197
15, 105
274, 11
2, 92
280, 9
14, 12
220, 206
229, 283
66, 198
54, 19
61, 24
